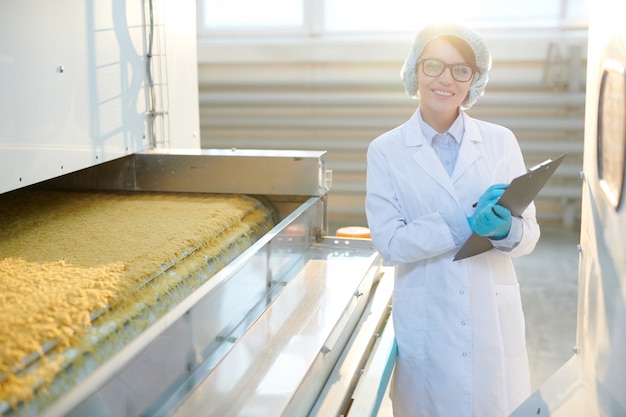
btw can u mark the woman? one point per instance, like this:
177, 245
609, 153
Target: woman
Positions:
459, 325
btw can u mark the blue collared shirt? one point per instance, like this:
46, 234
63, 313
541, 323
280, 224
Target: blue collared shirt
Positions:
446, 145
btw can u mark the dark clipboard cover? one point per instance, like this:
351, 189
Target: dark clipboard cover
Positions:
517, 196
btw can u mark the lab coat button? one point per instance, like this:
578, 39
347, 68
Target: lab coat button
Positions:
465, 354
461, 292
462, 323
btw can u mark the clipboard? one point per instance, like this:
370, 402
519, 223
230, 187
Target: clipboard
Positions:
517, 196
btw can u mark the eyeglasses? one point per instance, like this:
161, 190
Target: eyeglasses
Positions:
434, 68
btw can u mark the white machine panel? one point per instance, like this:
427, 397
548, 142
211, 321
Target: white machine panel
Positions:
592, 383
75, 92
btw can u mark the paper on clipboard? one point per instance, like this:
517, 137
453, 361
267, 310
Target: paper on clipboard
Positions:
517, 196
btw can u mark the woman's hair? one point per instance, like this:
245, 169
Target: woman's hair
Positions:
463, 47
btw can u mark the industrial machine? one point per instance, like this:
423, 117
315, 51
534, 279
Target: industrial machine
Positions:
593, 381
102, 96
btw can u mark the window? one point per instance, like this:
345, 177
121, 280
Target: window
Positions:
222, 14
315, 17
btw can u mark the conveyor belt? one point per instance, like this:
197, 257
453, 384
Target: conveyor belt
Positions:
81, 274
264, 333
276, 362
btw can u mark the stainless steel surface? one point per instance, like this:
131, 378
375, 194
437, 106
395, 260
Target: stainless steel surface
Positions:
279, 366
593, 382
264, 172
362, 357
372, 387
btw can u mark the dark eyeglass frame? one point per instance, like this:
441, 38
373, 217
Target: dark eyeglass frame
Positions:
444, 66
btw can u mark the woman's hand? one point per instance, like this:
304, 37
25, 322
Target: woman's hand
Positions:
493, 222
490, 219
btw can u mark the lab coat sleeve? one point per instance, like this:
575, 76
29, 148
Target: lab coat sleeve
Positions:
396, 239
522, 237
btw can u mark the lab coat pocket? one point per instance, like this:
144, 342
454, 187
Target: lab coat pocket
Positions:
410, 308
512, 324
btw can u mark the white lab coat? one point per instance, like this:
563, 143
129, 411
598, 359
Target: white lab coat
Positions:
459, 325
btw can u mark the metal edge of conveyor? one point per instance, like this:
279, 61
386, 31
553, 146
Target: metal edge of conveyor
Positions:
231, 171
116, 365
317, 377
317, 325
372, 342
372, 386
266, 172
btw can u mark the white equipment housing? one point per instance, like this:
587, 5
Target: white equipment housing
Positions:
593, 382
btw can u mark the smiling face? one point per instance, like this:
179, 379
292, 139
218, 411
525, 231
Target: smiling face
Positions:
441, 96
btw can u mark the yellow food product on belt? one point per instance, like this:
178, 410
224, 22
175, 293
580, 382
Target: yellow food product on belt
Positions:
66, 257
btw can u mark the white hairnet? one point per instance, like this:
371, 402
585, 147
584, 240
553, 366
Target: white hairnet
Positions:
474, 40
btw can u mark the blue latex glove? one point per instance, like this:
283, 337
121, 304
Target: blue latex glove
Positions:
490, 197
493, 222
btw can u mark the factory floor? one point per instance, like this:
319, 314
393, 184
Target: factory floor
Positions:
548, 279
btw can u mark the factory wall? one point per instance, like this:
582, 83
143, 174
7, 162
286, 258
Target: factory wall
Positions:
338, 94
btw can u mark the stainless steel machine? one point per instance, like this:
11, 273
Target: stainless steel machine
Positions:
103, 96
593, 382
